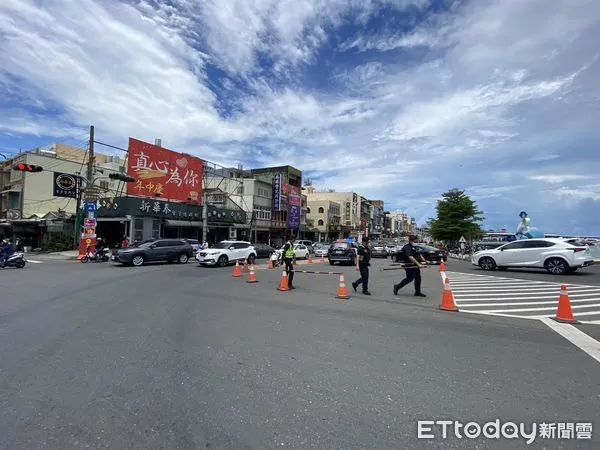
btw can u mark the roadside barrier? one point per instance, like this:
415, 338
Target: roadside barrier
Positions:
342, 292
400, 267
564, 312
448, 303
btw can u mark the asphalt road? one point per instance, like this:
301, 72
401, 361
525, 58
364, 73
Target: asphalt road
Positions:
181, 357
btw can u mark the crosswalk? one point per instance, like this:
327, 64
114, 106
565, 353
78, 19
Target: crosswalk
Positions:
513, 297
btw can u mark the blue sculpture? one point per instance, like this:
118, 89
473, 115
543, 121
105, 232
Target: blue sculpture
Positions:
525, 230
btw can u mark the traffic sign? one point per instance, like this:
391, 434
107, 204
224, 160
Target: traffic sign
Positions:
462, 239
90, 206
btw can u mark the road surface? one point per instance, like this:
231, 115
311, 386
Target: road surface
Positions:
181, 357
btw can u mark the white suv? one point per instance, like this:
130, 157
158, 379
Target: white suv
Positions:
227, 252
555, 255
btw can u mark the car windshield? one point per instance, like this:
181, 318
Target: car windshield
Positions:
340, 245
223, 245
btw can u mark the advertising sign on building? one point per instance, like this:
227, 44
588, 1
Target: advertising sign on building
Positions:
277, 193
65, 185
294, 199
162, 173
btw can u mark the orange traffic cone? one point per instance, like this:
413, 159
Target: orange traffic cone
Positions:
342, 292
271, 266
245, 269
448, 298
564, 313
442, 266
310, 261
283, 285
237, 272
252, 276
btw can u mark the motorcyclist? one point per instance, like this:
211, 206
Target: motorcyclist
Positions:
99, 249
5, 253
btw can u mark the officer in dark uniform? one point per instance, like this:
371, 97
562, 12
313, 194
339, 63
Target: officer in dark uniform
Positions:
364, 261
289, 258
410, 257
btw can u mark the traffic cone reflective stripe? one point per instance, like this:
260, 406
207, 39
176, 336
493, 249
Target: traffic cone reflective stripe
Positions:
283, 285
252, 276
237, 272
564, 312
342, 291
448, 303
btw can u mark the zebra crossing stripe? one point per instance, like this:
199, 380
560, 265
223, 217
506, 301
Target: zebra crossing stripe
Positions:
513, 297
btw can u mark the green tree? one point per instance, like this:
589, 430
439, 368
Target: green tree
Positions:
457, 215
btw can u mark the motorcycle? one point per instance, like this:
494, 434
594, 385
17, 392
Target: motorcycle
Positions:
98, 256
277, 258
16, 260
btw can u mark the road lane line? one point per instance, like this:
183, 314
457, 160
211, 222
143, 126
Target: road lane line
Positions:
553, 302
576, 337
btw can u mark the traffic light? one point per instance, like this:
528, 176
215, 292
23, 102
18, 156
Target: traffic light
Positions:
27, 168
121, 177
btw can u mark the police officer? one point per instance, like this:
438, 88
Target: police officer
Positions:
410, 257
364, 261
289, 258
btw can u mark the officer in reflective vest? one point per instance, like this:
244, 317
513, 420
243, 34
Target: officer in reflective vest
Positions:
289, 258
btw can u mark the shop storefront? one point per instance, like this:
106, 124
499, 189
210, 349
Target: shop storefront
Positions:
142, 219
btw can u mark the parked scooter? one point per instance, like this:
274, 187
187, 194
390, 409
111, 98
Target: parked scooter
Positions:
97, 256
16, 260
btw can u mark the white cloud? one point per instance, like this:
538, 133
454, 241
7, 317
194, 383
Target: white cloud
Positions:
490, 96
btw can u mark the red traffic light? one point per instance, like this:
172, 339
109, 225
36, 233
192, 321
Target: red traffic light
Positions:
28, 168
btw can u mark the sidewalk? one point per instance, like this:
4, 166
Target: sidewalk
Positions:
68, 255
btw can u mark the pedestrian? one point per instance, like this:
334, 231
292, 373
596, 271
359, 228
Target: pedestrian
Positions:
364, 262
415, 261
289, 259
124, 242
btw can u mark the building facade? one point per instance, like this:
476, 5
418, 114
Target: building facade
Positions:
350, 212
326, 217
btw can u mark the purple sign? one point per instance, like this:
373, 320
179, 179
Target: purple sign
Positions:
293, 217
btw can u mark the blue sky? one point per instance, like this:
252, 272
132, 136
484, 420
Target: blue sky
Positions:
399, 100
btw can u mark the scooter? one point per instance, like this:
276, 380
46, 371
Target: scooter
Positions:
276, 258
16, 260
100, 256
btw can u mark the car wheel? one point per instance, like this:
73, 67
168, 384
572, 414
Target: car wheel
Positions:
20, 265
183, 258
138, 260
556, 266
84, 259
487, 263
222, 261
251, 259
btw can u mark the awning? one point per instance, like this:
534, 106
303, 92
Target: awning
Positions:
241, 226
112, 219
182, 223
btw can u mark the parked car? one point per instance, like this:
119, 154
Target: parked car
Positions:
309, 244
263, 250
195, 243
379, 251
555, 255
300, 249
431, 254
321, 250
227, 252
169, 250
342, 252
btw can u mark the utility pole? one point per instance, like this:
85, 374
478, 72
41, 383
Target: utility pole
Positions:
204, 217
90, 165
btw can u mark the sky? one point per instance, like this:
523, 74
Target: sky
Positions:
398, 100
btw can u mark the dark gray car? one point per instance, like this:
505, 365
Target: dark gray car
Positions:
168, 250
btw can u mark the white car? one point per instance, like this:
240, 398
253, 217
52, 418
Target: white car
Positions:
301, 250
227, 252
555, 255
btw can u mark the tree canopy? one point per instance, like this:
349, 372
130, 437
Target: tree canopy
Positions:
457, 215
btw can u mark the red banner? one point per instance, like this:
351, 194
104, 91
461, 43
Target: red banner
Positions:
162, 173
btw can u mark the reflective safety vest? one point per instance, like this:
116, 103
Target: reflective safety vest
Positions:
290, 252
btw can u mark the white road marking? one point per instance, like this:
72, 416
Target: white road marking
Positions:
513, 297
576, 337
33, 261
